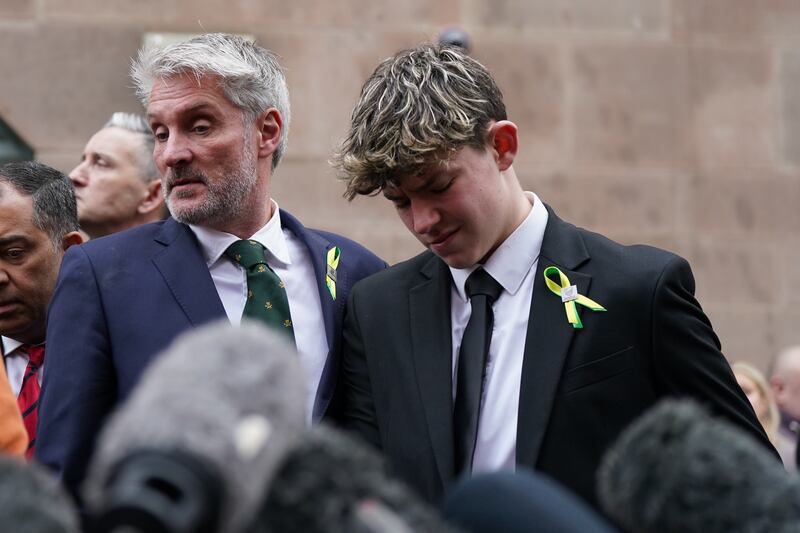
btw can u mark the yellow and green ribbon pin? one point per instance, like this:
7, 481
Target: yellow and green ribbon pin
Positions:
569, 295
330, 270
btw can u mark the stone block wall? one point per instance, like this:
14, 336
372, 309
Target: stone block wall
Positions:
669, 122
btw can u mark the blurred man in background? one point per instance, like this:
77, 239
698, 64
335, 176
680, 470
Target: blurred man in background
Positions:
117, 184
785, 383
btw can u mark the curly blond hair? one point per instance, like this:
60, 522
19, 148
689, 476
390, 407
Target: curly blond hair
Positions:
417, 108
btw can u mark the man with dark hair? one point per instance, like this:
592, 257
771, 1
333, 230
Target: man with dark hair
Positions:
117, 184
38, 223
218, 107
517, 338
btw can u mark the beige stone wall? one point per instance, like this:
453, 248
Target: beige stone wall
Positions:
670, 122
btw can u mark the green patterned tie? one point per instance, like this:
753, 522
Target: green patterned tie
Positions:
266, 295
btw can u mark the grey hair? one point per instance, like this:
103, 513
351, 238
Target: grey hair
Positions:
138, 124
54, 209
249, 75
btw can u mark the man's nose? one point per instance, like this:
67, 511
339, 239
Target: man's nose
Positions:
425, 216
174, 152
78, 175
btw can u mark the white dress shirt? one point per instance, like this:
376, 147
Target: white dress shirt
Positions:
288, 257
16, 363
513, 265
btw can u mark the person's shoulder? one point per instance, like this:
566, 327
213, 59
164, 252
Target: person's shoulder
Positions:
128, 243
349, 247
355, 253
402, 275
627, 257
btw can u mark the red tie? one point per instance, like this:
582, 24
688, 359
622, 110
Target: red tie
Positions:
28, 399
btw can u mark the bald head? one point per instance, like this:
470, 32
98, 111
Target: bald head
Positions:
785, 381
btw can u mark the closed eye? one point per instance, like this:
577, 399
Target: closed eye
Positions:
437, 190
399, 202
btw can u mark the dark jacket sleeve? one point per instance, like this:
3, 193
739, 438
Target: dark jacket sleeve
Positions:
358, 408
687, 356
79, 383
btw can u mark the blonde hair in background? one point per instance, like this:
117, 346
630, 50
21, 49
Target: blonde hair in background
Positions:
771, 419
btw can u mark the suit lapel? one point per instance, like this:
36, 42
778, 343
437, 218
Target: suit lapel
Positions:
184, 269
548, 337
332, 310
429, 307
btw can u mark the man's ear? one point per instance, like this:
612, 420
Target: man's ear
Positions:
269, 127
70, 239
153, 199
503, 140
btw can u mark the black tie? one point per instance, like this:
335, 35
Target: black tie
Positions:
482, 290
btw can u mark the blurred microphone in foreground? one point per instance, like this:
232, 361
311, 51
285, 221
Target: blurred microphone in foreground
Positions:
196, 445
332, 483
519, 502
32, 500
677, 469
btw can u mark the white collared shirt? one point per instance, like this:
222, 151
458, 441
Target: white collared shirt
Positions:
16, 364
288, 257
513, 265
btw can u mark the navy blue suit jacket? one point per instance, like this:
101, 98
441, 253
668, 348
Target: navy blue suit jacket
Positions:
122, 299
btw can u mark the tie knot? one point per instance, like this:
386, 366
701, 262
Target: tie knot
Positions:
247, 253
35, 354
481, 282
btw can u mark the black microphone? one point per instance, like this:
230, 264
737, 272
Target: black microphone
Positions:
332, 483
677, 469
196, 444
32, 500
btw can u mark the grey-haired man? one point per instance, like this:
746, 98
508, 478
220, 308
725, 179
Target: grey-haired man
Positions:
219, 110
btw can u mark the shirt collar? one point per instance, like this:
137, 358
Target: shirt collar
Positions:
214, 243
9, 345
513, 259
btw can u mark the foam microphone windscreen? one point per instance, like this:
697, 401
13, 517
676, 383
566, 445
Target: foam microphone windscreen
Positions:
32, 500
220, 403
677, 469
331, 482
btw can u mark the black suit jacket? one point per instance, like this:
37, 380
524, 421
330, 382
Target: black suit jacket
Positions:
579, 387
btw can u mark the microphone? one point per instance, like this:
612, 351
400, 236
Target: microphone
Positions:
32, 500
677, 469
519, 502
332, 483
196, 444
